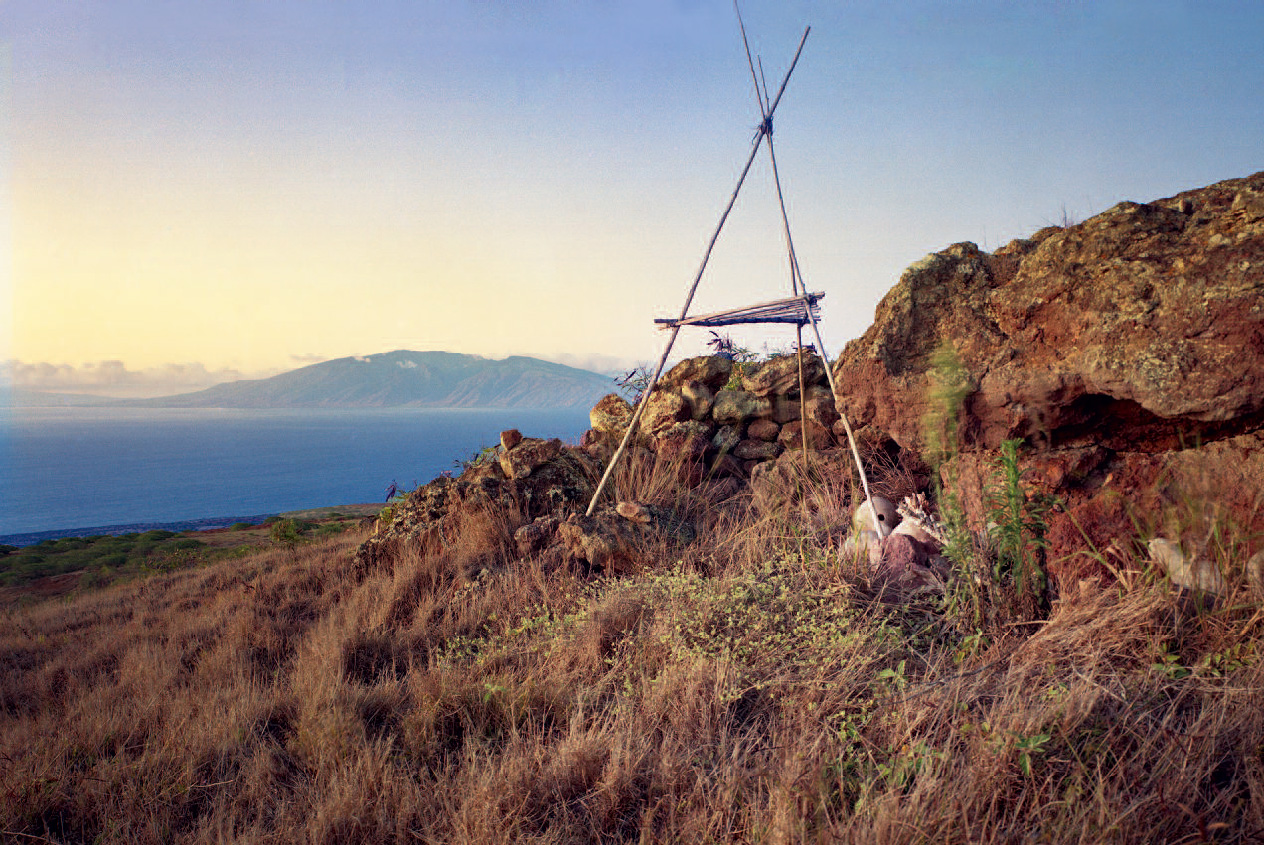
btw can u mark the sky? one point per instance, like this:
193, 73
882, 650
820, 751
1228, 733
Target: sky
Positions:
192, 192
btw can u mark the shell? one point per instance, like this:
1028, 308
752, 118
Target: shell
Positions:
862, 519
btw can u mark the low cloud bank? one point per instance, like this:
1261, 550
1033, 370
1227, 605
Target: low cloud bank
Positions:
114, 379
594, 361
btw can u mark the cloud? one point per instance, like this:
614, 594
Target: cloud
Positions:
305, 358
594, 361
113, 378
407, 365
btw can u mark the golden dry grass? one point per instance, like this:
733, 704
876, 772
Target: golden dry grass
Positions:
747, 688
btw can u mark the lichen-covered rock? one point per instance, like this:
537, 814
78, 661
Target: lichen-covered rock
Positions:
611, 414
733, 407
1109, 348
613, 544
684, 446
1129, 330
564, 480
700, 398
756, 450
821, 406
528, 454
780, 374
711, 370
726, 437
663, 409
786, 408
535, 535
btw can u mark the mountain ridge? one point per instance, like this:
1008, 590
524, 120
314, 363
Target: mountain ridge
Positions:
404, 378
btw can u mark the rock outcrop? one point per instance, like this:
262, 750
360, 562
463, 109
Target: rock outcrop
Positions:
1117, 350
532, 478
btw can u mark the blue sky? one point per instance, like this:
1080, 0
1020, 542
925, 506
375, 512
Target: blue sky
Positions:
247, 186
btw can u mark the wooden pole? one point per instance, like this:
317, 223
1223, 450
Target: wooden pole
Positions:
764, 129
829, 373
803, 401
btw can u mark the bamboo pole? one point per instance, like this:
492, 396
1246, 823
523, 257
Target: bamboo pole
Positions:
851, 438
764, 129
803, 401
829, 374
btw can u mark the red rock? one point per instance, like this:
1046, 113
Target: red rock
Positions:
763, 430
791, 436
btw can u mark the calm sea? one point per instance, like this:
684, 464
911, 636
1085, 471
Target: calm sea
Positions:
72, 468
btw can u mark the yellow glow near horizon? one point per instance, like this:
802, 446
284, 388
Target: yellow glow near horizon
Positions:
124, 265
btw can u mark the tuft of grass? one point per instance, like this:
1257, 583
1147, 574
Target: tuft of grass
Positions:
747, 687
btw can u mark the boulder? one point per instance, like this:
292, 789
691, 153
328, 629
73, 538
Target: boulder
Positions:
821, 408
700, 398
684, 446
663, 409
780, 374
510, 439
726, 437
598, 444
611, 414
1109, 348
612, 543
756, 450
725, 465
733, 407
535, 535
763, 430
527, 454
791, 436
713, 371
786, 408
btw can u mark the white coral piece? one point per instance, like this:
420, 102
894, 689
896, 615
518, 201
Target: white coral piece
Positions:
1199, 575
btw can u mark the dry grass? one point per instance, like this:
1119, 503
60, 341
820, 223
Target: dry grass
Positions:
746, 688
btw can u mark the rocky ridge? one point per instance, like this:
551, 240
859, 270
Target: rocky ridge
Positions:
1124, 353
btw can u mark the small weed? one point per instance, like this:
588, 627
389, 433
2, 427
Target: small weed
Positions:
1018, 529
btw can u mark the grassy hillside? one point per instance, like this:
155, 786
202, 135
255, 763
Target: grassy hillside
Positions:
751, 687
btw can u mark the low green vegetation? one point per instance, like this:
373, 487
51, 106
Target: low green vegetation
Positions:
106, 555
103, 559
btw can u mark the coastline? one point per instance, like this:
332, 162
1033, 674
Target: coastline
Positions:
205, 524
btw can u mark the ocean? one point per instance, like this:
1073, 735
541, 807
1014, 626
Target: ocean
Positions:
63, 470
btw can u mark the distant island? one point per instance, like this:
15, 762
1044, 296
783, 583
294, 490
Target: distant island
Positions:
399, 379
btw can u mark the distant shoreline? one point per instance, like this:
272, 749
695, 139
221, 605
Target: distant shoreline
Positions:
206, 524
